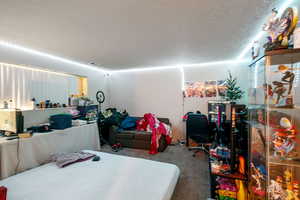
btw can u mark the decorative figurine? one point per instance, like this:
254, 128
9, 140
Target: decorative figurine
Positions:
296, 190
275, 189
255, 50
33, 103
292, 191
289, 193
288, 78
279, 89
270, 26
287, 176
282, 88
284, 138
280, 29
268, 90
258, 177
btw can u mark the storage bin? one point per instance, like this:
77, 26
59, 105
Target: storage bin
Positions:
61, 121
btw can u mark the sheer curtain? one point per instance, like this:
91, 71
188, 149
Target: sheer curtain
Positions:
22, 84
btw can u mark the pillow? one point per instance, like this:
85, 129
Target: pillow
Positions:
128, 123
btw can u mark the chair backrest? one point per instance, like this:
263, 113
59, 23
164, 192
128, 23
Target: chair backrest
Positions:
197, 128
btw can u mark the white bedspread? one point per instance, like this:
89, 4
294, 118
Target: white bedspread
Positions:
112, 178
35, 151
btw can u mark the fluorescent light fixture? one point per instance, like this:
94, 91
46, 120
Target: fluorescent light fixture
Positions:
260, 34
53, 57
179, 66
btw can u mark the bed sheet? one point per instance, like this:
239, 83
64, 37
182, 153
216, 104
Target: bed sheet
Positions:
113, 178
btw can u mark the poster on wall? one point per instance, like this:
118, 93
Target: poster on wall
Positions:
221, 85
194, 89
210, 88
205, 89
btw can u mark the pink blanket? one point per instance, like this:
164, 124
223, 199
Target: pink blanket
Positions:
151, 123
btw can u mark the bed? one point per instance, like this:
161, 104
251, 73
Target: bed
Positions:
113, 178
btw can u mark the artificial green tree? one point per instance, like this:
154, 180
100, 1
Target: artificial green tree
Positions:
233, 92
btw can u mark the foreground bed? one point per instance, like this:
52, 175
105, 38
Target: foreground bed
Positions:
112, 178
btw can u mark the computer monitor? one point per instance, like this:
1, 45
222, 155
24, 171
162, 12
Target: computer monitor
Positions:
11, 120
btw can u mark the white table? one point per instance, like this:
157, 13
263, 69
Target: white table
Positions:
23, 154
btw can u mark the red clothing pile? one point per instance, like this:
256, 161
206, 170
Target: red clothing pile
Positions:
151, 123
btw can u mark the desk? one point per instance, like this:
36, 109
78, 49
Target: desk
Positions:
23, 154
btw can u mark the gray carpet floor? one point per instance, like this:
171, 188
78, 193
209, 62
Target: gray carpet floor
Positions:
193, 183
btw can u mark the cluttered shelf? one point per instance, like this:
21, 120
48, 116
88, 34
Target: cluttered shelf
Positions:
235, 175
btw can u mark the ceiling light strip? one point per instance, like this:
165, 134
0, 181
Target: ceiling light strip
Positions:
38, 69
182, 65
53, 57
145, 69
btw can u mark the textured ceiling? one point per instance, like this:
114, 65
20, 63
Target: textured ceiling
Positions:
120, 34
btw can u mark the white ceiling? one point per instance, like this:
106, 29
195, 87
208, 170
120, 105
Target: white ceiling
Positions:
120, 34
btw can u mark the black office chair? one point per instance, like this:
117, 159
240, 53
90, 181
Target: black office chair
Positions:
198, 129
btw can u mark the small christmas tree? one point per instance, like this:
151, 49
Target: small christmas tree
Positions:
233, 92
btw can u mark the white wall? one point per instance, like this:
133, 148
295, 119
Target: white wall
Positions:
157, 92
97, 80
217, 72
160, 91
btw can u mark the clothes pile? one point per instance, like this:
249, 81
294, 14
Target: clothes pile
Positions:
66, 159
110, 117
151, 124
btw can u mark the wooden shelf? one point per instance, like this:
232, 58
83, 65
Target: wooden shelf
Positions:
291, 163
280, 56
281, 52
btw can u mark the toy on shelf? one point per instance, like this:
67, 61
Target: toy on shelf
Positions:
284, 139
276, 190
283, 187
259, 177
280, 29
279, 91
296, 190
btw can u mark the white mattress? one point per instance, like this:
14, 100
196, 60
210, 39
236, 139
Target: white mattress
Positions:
112, 178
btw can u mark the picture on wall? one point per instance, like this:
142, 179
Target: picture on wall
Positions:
210, 88
205, 89
194, 89
221, 85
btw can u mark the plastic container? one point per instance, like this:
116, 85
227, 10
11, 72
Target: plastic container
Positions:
61, 121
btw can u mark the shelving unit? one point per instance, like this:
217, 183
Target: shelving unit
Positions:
231, 129
274, 125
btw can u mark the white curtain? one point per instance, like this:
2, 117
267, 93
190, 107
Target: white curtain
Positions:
23, 84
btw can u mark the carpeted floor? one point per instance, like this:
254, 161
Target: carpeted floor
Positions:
193, 183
